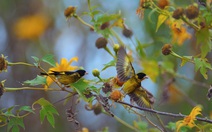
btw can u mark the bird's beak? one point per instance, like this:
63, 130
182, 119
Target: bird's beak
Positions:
86, 73
146, 77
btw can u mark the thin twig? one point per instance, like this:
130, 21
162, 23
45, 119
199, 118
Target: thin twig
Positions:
164, 113
148, 120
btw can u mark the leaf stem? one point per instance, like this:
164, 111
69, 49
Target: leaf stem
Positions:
6, 89
83, 22
19, 63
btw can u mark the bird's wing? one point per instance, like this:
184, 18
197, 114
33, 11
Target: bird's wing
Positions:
124, 67
142, 97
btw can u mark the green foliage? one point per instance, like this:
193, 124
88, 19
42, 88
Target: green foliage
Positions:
202, 65
14, 120
15, 123
39, 80
161, 19
109, 64
83, 88
203, 38
49, 58
47, 110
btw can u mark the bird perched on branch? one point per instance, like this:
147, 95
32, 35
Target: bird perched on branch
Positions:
67, 77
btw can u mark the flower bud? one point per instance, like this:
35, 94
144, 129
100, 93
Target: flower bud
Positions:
95, 72
178, 13
3, 63
127, 32
192, 12
116, 95
167, 49
116, 47
101, 42
70, 11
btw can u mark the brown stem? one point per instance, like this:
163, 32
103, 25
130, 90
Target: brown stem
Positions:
164, 113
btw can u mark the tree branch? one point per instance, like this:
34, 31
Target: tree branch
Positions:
163, 113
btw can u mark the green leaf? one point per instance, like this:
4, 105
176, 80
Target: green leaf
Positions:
202, 65
47, 110
14, 123
50, 119
203, 38
26, 108
185, 59
140, 49
107, 17
15, 129
43, 113
42, 102
109, 64
161, 19
39, 80
36, 59
81, 86
171, 126
9, 111
49, 59
3, 119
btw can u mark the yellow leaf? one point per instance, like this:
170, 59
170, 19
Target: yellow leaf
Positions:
161, 19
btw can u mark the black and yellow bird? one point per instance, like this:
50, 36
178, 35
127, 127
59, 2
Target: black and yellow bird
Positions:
132, 81
67, 77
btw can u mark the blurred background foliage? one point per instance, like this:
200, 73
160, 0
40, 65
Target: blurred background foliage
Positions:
36, 28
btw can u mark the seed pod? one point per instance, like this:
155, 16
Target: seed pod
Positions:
178, 13
70, 11
1, 88
97, 108
101, 42
127, 32
105, 25
192, 12
106, 88
163, 3
116, 95
167, 49
3, 63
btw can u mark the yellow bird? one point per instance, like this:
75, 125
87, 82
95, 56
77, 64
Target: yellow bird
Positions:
132, 81
67, 77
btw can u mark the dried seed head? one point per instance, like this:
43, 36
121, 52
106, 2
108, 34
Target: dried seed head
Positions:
192, 12
105, 25
117, 81
202, 24
95, 72
178, 13
101, 42
107, 88
70, 11
116, 95
97, 108
1, 88
127, 32
3, 63
167, 49
163, 3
